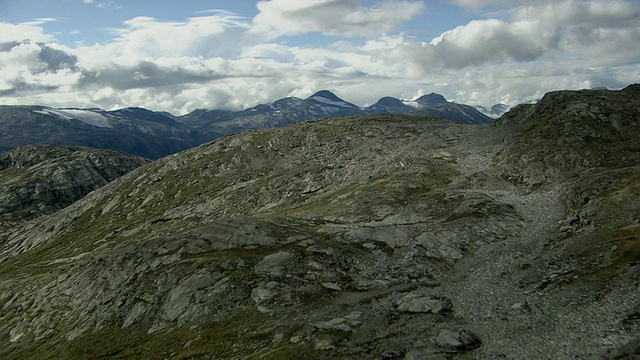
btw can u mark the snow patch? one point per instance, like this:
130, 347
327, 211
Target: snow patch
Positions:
86, 116
329, 109
331, 102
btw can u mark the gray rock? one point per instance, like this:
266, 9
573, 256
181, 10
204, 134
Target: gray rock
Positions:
264, 291
424, 353
414, 303
273, 264
442, 245
324, 344
332, 286
182, 296
457, 341
348, 323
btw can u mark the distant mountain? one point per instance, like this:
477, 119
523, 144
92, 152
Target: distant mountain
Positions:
432, 99
325, 104
456, 112
432, 105
153, 135
136, 131
495, 111
390, 105
201, 117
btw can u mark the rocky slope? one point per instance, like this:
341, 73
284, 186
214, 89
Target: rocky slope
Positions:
39, 180
377, 237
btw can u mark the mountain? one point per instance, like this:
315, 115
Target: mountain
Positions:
153, 135
499, 109
325, 104
430, 105
389, 105
372, 237
39, 180
431, 99
495, 111
136, 131
200, 117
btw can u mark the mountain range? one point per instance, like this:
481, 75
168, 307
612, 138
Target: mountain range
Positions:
361, 237
152, 135
135, 131
325, 104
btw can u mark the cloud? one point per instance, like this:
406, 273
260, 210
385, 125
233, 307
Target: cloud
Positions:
221, 60
480, 4
56, 58
104, 4
206, 36
490, 41
30, 68
332, 17
39, 21
22, 32
567, 28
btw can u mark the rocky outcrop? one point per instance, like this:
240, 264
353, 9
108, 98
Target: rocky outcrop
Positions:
39, 180
568, 134
380, 237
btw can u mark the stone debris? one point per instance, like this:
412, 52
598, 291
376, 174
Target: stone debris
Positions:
348, 323
332, 286
457, 341
264, 291
273, 264
414, 303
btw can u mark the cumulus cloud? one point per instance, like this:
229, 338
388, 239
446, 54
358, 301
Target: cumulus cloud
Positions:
207, 36
490, 41
566, 28
30, 67
221, 60
332, 17
22, 32
479, 4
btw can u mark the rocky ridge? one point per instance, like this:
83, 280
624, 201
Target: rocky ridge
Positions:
40, 180
377, 237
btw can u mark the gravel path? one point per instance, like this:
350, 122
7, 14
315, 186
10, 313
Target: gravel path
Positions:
483, 289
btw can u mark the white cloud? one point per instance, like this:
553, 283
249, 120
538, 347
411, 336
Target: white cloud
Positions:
607, 31
479, 4
221, 60
332, 17
207, 36
22, 32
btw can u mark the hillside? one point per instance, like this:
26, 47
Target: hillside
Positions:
368, 237
40, 180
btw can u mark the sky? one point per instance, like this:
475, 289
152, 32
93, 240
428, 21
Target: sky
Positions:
178, 56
